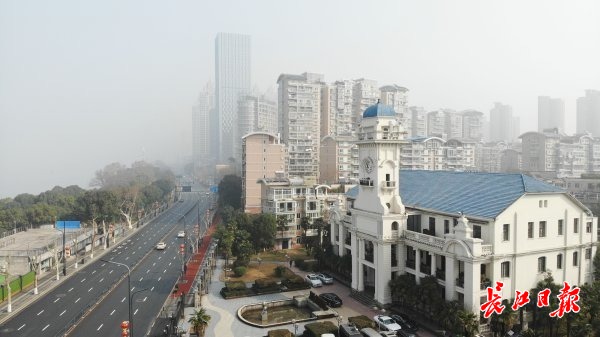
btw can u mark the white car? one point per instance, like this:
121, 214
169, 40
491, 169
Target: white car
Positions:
181, 234
386, 323
161, 246
314, 280
325, 278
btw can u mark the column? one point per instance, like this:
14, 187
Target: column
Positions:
450, 278
355, 259
342, 242
418, 264
361, 267
433, 263
383, 273
472, 286
401, 255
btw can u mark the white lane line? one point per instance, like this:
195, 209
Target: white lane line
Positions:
70, 290
154, 264
62, 313
46, 327
102, 279
21, 327
174, 257
123, 300
100, 327
141, 278
136, 310
159, 257
127, 258
132, 288
110, 272
39, 313
94, 272
145, 298
102, 265
152, 289
112, 312
77, 300
56, 300
159, 279
165, 271
83, 280
147, 271
90, 289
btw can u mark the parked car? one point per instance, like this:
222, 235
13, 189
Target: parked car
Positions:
161, 246
405, 333
325, 278
314, 280
386, 323
181, 234
349, 330
405, 322
331, 299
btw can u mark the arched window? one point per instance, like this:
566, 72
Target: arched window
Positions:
395, 225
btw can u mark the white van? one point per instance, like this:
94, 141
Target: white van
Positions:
369, 332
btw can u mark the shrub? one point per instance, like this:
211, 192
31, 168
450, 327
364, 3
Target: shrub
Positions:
318, 301
235, 285
280, 271
280, 333
295, 282
266, 285
239, 271
362, 322
319, 328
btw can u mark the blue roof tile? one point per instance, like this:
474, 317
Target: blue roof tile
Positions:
379, 110
475, 194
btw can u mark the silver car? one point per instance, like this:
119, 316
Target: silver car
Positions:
314, 280
325, 278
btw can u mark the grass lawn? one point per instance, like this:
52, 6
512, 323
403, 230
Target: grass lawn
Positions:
269, 261
280, 255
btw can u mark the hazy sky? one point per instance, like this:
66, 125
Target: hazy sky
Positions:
87, 83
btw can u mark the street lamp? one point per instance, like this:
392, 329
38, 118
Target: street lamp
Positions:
128, 291
339, 320
295, 327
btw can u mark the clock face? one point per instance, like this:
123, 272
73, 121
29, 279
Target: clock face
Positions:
368, 164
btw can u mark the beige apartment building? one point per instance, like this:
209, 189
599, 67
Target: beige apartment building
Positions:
262, 156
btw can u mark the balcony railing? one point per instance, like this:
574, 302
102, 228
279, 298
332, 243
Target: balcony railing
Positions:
410, 264
460, 282
440, 274
485, 284
486, 250
388, 184
425, 269
425, 239
286, 234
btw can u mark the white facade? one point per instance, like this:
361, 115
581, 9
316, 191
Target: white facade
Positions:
514, 228
434, 153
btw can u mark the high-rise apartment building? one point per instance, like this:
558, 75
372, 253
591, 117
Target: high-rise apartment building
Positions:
503, 125
201, 136
436, 124
551, 113
418, 119
299, 107
257, 114
338, 160
365, 93
336, 109
233, 79
397, 97
588, 113
472, 124
263, 156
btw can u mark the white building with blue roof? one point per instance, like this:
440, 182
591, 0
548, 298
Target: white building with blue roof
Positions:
467, 229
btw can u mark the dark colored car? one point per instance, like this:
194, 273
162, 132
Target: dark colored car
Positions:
331, 299
405, 322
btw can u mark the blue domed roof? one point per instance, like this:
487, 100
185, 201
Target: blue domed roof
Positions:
379, 110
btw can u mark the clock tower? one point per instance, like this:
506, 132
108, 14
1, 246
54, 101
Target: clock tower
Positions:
380, 137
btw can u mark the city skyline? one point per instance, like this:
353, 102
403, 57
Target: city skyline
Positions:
105, 83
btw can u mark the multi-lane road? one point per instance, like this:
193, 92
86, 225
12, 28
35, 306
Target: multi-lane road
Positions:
94, 300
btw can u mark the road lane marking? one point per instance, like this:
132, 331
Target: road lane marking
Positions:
159, 279
136, 310
77, 300
21, 327
83, 280
112, 312
127, 258
102, 279
39, 313
93, 272
100, 327
62, 313
110, 272
56, 300
46, 327
154, 264
102, 265
144, 300
141, 278
123, 300
165, 271
152, 289
90, 289
70, 290
147, 271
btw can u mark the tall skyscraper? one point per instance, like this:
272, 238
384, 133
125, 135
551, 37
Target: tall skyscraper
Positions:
201, 136
551, 113
299, 106
397, 97
336, 109
472, 125
588, 113
365, 93
257, 114
502, 123
233, 78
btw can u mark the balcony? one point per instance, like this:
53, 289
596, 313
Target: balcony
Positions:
485, 284
388, 184
366, 182
286, 234
440, 274
425, 269
486, 250
410, 264
428, 240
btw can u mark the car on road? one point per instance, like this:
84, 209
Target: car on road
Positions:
161, 246
314, 280
386, 323
332, 300
181, 234
325, 278
405, 322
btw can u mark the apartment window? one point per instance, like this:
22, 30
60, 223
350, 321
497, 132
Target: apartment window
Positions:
559, 261
545, 203
505, 269
588, 227
575, 259
575, 226
560, 227
505, 232
477, 232
395, 226
431, 226
541, 203
541, 264
446, 226
530, 230
542, 229
588, 253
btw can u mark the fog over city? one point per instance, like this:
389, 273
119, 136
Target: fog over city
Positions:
84, 84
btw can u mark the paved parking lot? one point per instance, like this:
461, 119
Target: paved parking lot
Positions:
224, 321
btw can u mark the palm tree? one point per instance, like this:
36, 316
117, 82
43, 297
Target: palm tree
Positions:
199, 320
469, 321
448, 314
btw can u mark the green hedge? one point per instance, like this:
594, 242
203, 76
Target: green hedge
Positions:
362, 322
235, 285
17, 285
319, 328
280, 333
